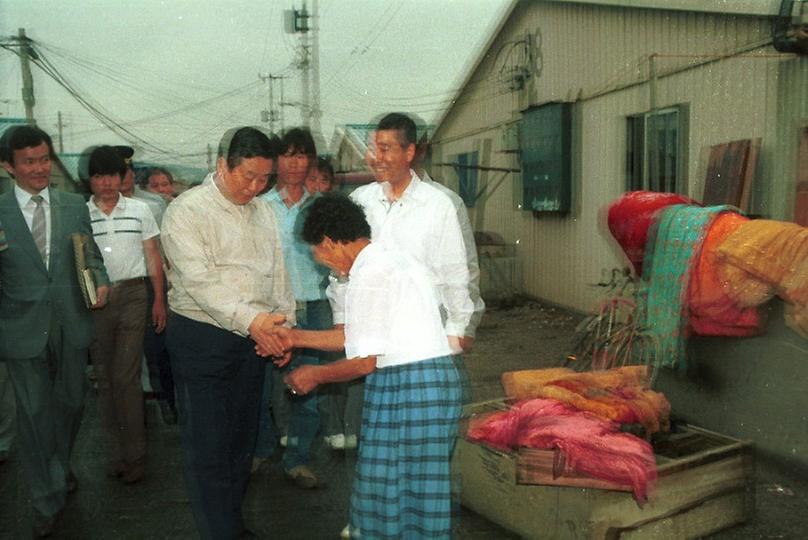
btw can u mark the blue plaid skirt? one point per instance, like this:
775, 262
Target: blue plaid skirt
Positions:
402, 487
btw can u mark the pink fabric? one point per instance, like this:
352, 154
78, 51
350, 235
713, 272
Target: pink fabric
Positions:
590, 445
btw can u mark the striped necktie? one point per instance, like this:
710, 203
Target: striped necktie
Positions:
38, 230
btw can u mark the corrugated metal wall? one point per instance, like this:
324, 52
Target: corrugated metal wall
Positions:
599, 58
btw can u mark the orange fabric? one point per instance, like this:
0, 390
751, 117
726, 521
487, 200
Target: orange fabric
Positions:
713, 310
621, 394
774, 252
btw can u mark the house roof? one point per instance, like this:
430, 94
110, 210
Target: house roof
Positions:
355, 134
729, 7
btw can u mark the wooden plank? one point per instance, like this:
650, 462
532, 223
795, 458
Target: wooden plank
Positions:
801, 199
695, 494
680, 451
674, 494
707, 518
749, 173
536, 466
730, 169
489, 488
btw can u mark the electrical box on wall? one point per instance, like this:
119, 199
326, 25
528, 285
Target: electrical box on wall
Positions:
545, 137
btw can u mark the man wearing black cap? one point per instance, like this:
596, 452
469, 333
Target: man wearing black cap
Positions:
126, 232
128, 188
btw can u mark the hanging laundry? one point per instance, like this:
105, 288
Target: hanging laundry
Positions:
674, 243
775, 253
713, 309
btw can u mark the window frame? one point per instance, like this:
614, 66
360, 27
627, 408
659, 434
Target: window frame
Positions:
642, 160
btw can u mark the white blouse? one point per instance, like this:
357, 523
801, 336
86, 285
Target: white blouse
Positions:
392, 309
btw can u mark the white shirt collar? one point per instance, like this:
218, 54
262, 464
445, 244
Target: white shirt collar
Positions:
23, 197
410, 191
121, 203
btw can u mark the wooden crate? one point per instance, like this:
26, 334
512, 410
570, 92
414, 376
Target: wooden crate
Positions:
705, 484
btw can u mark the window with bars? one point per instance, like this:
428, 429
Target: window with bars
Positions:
655, 159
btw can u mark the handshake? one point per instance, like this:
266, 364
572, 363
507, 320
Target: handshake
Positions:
271, 338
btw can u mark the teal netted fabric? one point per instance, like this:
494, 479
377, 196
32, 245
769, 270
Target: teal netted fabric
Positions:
673, 244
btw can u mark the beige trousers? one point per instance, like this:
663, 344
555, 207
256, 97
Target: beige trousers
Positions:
116, 352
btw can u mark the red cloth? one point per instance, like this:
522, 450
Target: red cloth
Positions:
632, 214
590, 445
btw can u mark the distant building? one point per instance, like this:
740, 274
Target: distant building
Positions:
573, 102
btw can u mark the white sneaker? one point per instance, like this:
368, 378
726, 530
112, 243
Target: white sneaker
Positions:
346, 532
337, 442
284, 440
350, 442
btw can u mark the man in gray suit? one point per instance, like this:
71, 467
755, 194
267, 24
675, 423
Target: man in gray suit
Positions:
45, 328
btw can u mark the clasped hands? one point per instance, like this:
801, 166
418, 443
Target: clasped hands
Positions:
271, 338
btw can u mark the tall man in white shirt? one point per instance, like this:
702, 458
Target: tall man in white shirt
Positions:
229, 288
127, 234
45, 328
419, 219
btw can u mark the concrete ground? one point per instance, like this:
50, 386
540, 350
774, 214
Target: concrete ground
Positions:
518, 337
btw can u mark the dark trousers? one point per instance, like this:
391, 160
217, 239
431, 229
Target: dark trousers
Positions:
157, 357
298, 416
49, 391
218, 378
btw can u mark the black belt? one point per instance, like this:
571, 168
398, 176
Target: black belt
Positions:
129, 282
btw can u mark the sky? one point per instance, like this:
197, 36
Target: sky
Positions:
176, 74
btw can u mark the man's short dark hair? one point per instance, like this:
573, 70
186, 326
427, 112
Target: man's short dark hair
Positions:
298, 141
337, 217
106, 160
24, 136
245, 143
403, 124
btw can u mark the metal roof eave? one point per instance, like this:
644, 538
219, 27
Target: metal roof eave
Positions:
728, 7
506, 15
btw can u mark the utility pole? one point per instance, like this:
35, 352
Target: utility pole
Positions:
270, 114
314, 112
305, 65
305, 24
282, 105
60, 127
27, 53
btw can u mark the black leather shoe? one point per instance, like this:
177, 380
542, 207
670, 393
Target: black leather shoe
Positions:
72, 483
44, 525
168, 412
